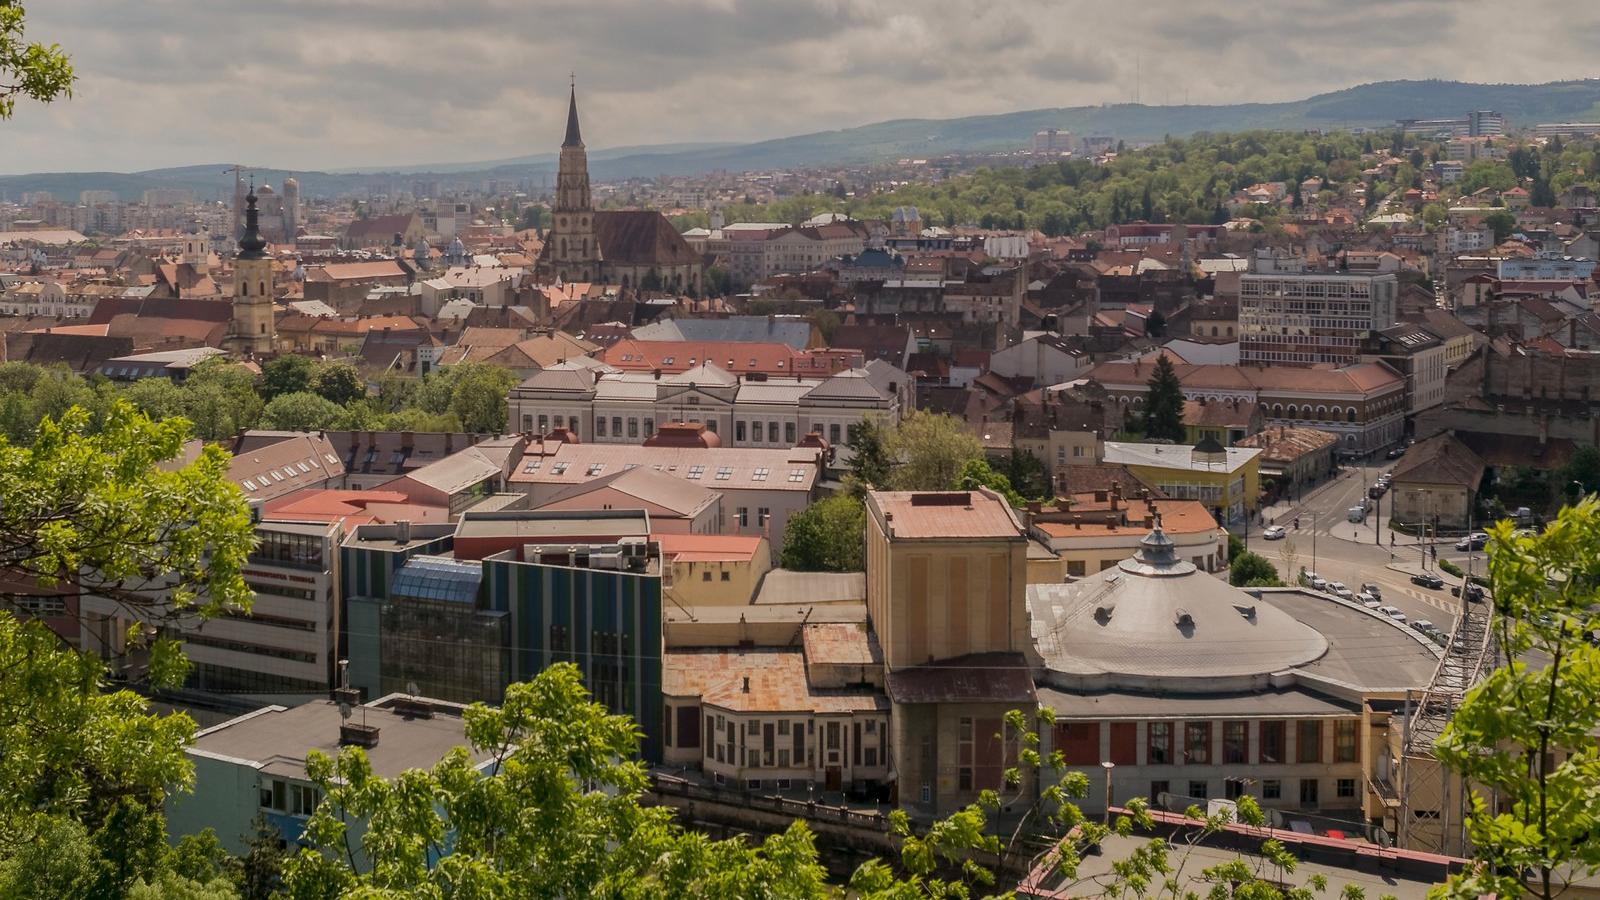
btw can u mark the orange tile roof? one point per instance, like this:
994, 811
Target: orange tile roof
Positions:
841, 644
709, 547
777, 682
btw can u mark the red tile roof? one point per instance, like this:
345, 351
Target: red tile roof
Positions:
937, 515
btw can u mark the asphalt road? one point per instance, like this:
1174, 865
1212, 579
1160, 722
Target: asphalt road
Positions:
1339, 550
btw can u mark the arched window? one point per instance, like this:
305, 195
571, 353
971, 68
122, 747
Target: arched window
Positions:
1350, 414
262, 289
1213, 331
563, 246
1322, 412
1294, 411
1277, 410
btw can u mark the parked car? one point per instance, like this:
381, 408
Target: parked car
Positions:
1368, 587
1376, 490
1396, 453
1473, 541
1274, 533
1394, 613
1357, 514
1474, 593
1428, 580
1316, 581
1422, 625
1368, 601
1338, 589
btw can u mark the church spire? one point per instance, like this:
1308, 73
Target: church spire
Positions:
574, 138
252, 243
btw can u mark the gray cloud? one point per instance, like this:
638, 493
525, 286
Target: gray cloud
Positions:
341, 83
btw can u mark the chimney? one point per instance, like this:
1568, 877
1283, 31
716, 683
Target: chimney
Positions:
402, 531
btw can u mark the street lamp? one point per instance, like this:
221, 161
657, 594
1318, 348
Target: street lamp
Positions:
1108, 765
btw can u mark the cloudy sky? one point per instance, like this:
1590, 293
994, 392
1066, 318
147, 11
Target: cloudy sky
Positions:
305, 84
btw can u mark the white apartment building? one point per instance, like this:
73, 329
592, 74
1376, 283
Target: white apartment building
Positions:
1304, 318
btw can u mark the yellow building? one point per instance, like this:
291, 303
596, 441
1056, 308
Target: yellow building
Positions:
1226, 479
946, 595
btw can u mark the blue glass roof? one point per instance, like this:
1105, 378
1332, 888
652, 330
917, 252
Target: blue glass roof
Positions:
437, 578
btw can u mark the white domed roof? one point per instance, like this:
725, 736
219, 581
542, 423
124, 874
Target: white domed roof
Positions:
1155, 617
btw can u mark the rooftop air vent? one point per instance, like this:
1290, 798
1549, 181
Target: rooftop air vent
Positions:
1185, 620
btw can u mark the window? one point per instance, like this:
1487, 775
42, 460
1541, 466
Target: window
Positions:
1272, 735
1232, 788
772, 432
762, 515
1271, 789
1308, 740
560, 468
695, 471
1157, 788
1159, 750
739, 431
744, 516
1345, 788
1197, 742
724, 473
649, 427
633, 428
788, 432
1308, 792
1344, 741
753, 727
797, 475
705, 576
1075, 568
760, 474
727, 576
595, 469
1235, 742
756, 432
833, 433
964, 754
753, 784
1199, 789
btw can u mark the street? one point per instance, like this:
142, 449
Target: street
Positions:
1328, 544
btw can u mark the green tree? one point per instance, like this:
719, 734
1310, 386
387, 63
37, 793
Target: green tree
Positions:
1581, 474
339, 383
290, 373
1156, 325
28, 68
1502, 223
827, 536
1163, 405
978, 473
157, 398
478, 397
929, 450
1250, 569
222, 399
869, 457
301, 412
106, 513
1523, 739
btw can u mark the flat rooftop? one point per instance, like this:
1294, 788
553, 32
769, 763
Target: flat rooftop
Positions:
554, 524
276, 739
1365, 649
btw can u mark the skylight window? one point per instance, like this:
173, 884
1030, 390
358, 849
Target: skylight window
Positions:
724, 473
695, 472
797, 475
759, 474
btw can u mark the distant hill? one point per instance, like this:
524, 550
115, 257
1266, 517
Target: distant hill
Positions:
1377, 104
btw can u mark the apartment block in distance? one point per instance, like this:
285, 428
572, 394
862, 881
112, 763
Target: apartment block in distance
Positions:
1289, 316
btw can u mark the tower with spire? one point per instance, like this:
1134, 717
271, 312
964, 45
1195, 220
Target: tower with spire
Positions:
253, 331
576, 255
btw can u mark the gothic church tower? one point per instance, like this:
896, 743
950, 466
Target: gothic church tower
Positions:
571, 247
253, 332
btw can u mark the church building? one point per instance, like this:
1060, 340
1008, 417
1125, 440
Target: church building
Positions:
632, 248
253, 332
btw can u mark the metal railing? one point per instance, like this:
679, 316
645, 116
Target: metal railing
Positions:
673, 786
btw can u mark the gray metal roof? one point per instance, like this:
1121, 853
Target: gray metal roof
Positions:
791, 330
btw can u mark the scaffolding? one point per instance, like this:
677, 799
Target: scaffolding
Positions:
1433, 803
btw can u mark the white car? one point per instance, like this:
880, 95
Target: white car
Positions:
1338, 589
1317, 581
1422, 625
1394, 613
1274, 533
1367, 600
